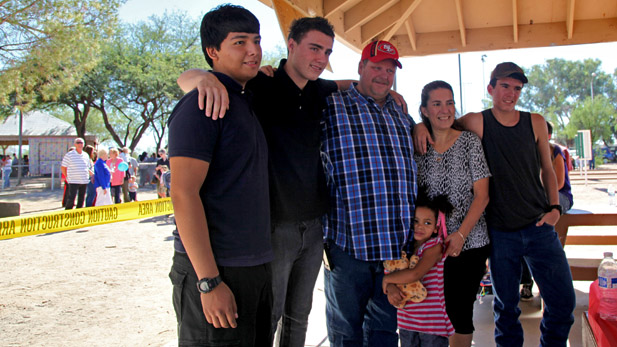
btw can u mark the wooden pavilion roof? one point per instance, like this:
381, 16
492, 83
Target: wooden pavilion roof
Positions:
424, 27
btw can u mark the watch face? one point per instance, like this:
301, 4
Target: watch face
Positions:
203, 285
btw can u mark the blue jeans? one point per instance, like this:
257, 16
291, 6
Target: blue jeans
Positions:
6, 175
357, 311
416, 339
115, 192
298, 250
90, 194
541, 248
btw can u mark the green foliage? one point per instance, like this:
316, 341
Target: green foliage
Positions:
597, 115
134, 88
557, 87
273, 57
46, 46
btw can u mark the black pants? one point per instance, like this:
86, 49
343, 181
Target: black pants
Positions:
115, 193
75, 189
252, 289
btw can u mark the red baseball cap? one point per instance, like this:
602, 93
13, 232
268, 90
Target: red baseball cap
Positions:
377, 51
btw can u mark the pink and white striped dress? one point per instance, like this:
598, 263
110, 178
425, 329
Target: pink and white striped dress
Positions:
428, 316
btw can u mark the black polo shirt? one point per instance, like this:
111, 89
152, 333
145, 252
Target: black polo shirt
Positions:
235, 191
290, 117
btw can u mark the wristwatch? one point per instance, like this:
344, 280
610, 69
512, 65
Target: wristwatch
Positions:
206, 285
555, 207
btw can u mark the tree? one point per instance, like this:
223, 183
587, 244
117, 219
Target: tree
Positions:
146, 59
46, 46
133, 87
273, 57
597, 115
555, 88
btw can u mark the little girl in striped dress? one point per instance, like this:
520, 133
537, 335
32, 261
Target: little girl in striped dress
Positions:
424, 323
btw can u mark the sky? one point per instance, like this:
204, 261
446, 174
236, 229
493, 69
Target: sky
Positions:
416, 71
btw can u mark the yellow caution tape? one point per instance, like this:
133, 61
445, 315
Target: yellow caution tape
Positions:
54, 222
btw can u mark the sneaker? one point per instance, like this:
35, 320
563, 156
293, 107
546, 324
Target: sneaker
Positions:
526, 294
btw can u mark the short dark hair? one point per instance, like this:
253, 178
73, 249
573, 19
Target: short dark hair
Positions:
301, 26
550, 127
426, 91
222, 20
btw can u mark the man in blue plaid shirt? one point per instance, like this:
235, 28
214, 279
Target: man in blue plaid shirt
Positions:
368, 157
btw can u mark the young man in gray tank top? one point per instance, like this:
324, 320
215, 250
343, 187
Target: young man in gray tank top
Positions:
523, 209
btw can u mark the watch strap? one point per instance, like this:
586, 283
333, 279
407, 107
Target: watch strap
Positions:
206, 285
555, 207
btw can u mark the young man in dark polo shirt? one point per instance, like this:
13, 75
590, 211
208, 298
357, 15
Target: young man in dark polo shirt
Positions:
221, 268
289, 106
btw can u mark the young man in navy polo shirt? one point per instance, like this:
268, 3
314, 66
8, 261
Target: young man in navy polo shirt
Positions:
221, 268
289, 106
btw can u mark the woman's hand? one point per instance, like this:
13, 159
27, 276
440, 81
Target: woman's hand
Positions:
455, 242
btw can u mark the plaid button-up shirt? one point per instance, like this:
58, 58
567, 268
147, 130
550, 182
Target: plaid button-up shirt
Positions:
367, 154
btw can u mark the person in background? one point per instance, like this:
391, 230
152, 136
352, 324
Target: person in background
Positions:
163, 160
77, 168
65, 191
125, 155
117, 176
102, 179
165, 183
133, 189
560, 164
26, 168
91, 190
7, 168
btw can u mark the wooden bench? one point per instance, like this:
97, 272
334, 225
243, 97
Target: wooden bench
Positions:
585, 269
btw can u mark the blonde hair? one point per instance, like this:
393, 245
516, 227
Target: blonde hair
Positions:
114, 150
102, 152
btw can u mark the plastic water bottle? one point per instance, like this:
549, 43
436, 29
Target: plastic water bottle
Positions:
607, 281
611, 195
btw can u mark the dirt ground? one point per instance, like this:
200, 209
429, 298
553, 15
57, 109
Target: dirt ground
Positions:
102, 286
107, 285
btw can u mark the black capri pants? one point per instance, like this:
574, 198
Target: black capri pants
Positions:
462, 276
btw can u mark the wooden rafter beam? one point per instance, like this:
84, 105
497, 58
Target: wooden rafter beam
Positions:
406, 8
411, 33
515, 20
461, 22
570, 18
364, 12
331, 6
386, 24
530, 35
285, 14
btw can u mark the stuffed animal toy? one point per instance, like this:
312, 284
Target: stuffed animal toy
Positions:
414, 291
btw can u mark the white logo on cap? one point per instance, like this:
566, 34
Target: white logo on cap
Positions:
387, 48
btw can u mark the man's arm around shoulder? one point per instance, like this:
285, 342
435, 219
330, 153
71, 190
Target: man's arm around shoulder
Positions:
473, 122
219, 306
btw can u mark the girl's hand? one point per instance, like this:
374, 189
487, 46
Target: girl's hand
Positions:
395, 297
455, 242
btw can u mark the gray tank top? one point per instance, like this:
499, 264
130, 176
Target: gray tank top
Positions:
517, 197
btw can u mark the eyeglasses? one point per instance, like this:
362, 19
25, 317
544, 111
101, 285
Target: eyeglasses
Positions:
79, 143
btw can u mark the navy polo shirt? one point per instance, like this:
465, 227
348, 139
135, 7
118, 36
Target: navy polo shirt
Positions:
235, 192
291, 118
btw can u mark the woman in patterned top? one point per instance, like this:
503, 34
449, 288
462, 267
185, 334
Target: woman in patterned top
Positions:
424, 323
455, 166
